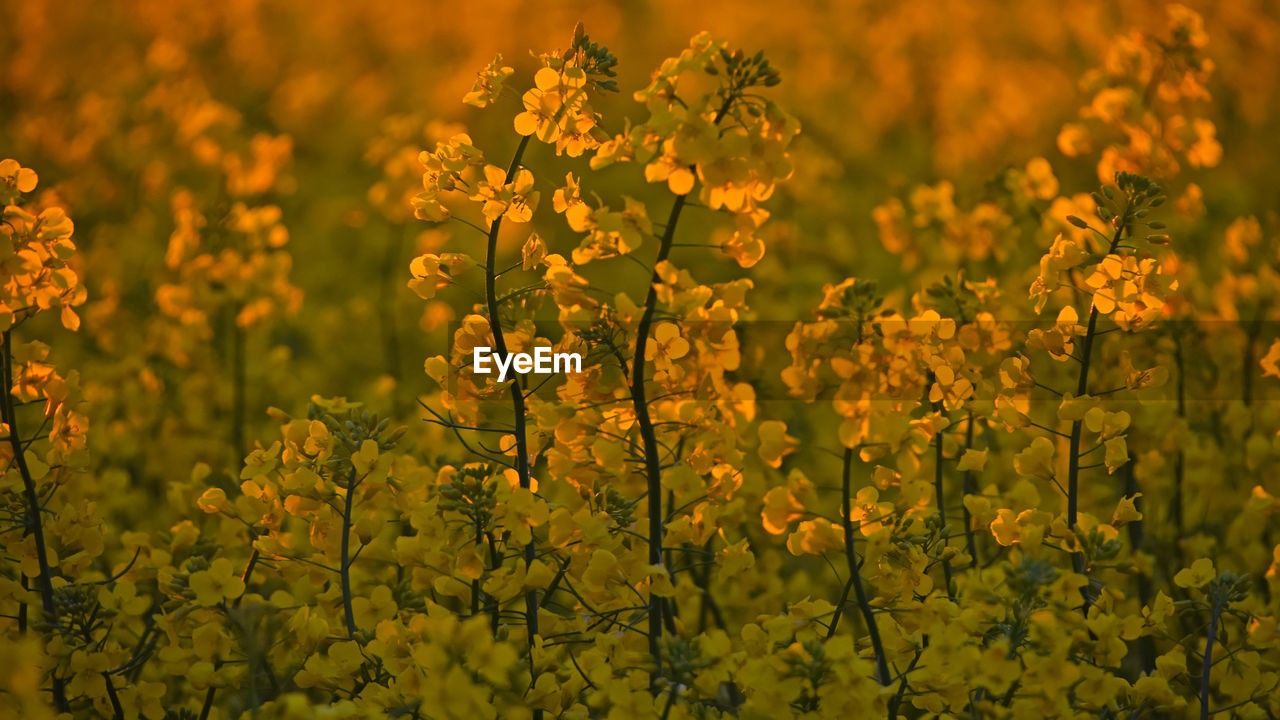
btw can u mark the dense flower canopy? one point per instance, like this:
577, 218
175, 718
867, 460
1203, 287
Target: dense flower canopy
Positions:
928, 360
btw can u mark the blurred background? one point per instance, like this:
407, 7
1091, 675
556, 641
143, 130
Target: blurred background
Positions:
286, 133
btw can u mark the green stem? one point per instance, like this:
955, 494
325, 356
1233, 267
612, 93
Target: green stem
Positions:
117, 711
967, 487
1077, 426
938, 487
1208, 662
344, 568
671, 701
855, 578
1146, 644
649, 438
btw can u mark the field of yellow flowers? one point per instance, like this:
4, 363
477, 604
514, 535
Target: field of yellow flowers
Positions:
928, 362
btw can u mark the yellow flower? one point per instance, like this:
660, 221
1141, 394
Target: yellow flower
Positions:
515, 200
667, 343
217, 584
1271, 361
371, 610
815, 537
15, 180
523, 512
775, 443
427, 278
1200, 572
489, 83
124, 599
1036, 460
1038, 180
1125, 511
972, 460
600, 570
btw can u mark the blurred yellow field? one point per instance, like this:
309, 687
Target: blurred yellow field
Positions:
639, 360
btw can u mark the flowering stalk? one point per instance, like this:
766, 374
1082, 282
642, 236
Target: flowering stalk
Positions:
968, 488
517, 392
1077, 426
649, 438
938, 489
35, 521
345, 561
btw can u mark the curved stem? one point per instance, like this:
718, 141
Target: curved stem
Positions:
1077, 426
35, 520
517, 394
344, 567
855, 578
649, 438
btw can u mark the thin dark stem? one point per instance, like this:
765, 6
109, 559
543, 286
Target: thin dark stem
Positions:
1146, 644
855, 578
1077, 426
709, 603
475, 584
517, 394
208, 704
1208, 662
671, 701
938, 486
244, 577
648, 437
344, 566
968, 488
117, 711
1247, 371
844, 599
34, 520
896, 702
22, 607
